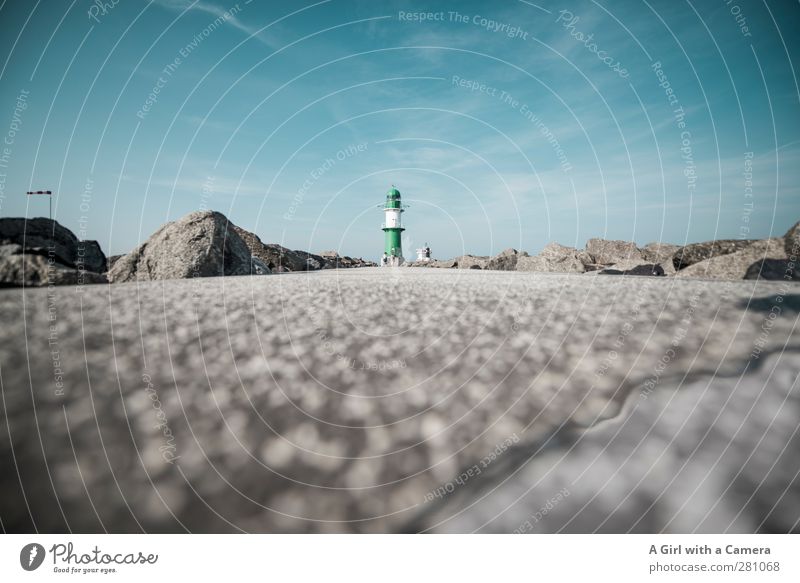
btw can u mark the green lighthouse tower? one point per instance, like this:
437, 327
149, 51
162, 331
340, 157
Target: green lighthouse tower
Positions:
392, 227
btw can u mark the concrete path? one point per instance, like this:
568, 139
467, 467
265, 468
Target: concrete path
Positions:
377, 400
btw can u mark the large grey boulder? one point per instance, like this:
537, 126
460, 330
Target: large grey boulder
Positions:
735, 265
504, 261
607, 252
472, 262
554, 258
658, 252
201, 244
42, 236
20, 269
791, 242
697, 252
773, 269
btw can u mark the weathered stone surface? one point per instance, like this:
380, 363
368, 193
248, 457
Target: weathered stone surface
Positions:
258, 267
201, 244
554, 258
697, 252
663, 466
471, 262
735, 265
608, 252
634, 268
773, 269
297, 404
658, 252
89, 257
258, 249
112, 259
45, 236
585, 257
11, 249
19, 269
443, 263
791, 241
335, 261
281, 260
504, 261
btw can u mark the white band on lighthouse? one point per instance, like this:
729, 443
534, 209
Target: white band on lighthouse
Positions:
392, 217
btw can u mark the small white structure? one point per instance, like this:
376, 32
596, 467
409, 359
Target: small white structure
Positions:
424, 254
391, 261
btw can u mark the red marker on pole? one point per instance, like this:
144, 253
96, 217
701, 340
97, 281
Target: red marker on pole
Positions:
48, 192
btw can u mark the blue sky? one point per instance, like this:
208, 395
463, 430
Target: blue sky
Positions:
294, 118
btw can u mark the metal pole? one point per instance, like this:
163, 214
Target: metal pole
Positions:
48, 193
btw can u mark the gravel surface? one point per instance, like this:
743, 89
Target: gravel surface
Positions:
359, 400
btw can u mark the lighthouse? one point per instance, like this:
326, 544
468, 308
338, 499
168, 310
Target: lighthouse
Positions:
392, 228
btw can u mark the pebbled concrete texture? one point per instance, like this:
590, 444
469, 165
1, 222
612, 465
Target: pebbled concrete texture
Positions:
357, 401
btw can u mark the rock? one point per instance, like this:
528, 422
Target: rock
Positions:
609, 252
443, 263
735, 265
36, 252
504, 261
773, 269
593, 267
11, 249
658, 252
278, 258
42, 236
335, 261
645, 269
90, 257
554, 258
201, 244
697, 252
653, 269
585, 257
330, 259
633, 267
791, 242
19, 269
258, 267
311, 261
111, 260
471, 262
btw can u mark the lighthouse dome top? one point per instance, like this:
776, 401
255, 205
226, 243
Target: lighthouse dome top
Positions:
393, 193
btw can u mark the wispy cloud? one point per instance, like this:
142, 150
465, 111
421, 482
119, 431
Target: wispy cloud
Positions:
219, 12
